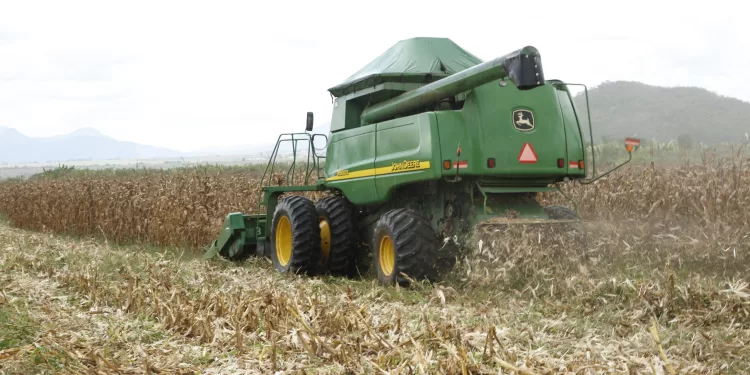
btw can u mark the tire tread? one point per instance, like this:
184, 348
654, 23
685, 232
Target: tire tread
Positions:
305, 232
414, 243
342, 223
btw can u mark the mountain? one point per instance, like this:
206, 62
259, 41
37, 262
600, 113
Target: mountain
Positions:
90, 144
82, 144
620, 109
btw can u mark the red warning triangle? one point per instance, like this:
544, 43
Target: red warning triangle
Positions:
527, 154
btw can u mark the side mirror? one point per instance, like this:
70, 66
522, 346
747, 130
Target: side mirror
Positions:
309, 126
631, 144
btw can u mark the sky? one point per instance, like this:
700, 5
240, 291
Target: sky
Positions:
192, 75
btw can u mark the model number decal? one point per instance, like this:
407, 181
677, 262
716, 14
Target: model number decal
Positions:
395, 167
405, 165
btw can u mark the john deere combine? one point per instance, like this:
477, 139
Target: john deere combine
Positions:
426, 142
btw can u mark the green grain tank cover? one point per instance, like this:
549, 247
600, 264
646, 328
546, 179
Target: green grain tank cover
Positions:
416, 60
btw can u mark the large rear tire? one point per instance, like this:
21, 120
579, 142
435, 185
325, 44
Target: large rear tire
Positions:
295, 235
338, 234
403, 241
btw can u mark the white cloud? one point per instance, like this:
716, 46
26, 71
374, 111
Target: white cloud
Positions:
188, 75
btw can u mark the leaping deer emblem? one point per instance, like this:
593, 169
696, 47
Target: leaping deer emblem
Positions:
523, 123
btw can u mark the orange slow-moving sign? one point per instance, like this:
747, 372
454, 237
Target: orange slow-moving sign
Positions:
461, 164
632, 142
527, 154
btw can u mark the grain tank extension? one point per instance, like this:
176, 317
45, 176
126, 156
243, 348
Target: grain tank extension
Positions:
426, 142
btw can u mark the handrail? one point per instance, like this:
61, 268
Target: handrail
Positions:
594, 177
312, 155
591, 131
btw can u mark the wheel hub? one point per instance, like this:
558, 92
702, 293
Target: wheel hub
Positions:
325, 240
387, 258
284, 241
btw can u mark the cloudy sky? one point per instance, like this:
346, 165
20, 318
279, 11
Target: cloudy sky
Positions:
190, 75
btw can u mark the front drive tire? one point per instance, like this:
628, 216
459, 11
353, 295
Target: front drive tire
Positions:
403, 241
295, 235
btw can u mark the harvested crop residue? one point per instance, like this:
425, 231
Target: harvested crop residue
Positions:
623, 308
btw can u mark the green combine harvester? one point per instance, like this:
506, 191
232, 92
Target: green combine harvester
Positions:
426, 142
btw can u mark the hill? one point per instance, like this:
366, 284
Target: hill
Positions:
82, 144
620, 109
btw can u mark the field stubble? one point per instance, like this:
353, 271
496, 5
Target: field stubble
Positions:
661, 286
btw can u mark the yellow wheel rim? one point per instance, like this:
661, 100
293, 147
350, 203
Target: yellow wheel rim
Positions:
284, 241
325, 240
387, 255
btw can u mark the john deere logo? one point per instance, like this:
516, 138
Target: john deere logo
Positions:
523, 120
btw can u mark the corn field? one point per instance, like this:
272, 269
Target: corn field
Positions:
186, 208
175, 209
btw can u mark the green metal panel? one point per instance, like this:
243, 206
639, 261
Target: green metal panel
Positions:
484, 128
490, 112
405, 153
338, 118
350, 159
233, 224
239, 234
453, 134
346, 112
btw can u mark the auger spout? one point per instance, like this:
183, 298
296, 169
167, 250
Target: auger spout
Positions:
523, 67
